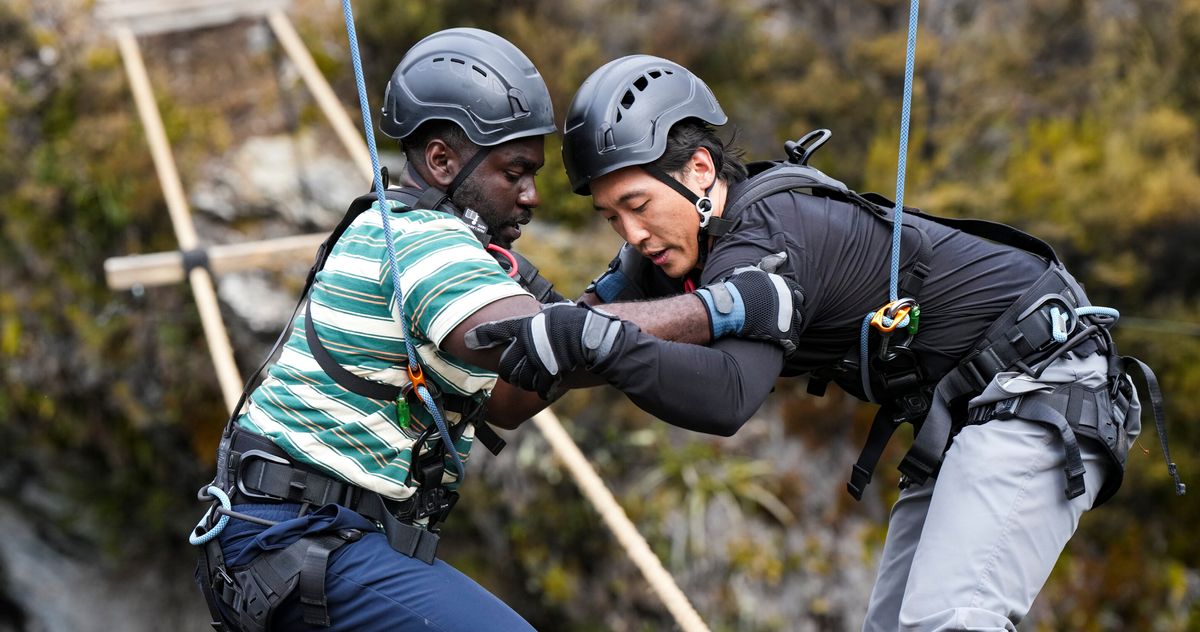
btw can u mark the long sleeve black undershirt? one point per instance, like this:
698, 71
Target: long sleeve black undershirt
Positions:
713, 389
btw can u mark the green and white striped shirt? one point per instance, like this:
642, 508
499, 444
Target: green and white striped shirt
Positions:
445, 276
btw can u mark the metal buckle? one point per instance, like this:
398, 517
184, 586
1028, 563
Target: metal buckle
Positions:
246, 456
1047, 301
1007, 408
704, 207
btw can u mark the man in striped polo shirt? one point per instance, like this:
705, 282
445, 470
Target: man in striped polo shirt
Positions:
311, 456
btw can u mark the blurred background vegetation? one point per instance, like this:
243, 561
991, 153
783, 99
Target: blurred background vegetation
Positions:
1075, 120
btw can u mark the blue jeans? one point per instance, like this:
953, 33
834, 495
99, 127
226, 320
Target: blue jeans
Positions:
368, 585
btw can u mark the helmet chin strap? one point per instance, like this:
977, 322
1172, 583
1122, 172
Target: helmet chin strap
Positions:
467, 170
710, 225
435, 199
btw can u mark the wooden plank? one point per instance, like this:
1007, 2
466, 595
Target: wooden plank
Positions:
146, 17
181, 219
350, 135
166, 268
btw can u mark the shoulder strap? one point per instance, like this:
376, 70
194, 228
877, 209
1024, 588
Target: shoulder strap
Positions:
774, 177
360, 204
769, 178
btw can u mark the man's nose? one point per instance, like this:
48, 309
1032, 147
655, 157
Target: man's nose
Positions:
633, 230
529, 195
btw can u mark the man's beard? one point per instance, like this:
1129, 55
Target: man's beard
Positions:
470, 195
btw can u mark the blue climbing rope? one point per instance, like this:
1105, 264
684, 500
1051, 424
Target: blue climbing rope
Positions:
198, 535
897, 212
384, 206
902, 161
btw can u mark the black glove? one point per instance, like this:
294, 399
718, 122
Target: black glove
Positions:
544, 347
623, 279
754, 302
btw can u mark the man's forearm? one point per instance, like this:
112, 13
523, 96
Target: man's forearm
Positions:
680, 318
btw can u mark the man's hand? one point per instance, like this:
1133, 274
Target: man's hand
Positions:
754, 302
623, 279
544, 347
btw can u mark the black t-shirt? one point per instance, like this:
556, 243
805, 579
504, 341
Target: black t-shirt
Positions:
840, 256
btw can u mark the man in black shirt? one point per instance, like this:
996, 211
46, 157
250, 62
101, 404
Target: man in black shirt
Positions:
778, 284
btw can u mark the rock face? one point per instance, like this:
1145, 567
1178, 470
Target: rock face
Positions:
47, 589
293, 179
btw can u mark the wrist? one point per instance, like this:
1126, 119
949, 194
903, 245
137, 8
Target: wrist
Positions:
726, 310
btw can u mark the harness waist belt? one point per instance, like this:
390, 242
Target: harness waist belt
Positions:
265, 473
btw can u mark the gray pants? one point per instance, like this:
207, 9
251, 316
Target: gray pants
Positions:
971, 549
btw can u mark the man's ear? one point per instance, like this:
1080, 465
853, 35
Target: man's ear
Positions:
703, 170
442, 162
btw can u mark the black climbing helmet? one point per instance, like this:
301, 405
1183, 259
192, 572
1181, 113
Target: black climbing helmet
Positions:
474, 78
622, 113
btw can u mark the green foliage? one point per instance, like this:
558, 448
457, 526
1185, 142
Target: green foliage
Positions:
1075, 120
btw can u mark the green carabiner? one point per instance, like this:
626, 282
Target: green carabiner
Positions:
403, 415
913, 318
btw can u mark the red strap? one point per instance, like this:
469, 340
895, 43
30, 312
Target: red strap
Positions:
513, 270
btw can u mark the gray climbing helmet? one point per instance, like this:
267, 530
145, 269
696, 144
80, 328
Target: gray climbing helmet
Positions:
474, 78
622, 113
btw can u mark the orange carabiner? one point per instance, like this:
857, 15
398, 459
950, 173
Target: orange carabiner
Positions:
899, 310
416, 376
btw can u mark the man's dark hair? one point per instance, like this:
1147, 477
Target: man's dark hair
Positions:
690, 134
414, 144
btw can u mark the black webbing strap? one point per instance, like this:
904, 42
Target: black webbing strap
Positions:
269, 478
532, 280
210, 568
1160, 421
312, 575
1045, 408
343, 377
992, 231
263, 471
360, 204
665, 178
469, 410
913, 281
882, 428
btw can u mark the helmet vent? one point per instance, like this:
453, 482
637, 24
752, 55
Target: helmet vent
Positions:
641, 83
654, 74
627, 100
479, 70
